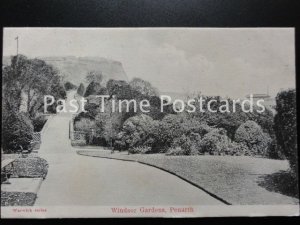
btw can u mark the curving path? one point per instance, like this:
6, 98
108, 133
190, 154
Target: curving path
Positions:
79, 180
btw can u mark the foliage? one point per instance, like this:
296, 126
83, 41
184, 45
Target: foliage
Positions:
251, 134
80, 142
70, 86
26, 81
136, 132
143, 87
176, 151
30, 167
169, 128
181, 146
230, 121
215, 142
238, 149
81, 89
17, 131
108, 125
275, 151
38, 123
286, 126
94, 76
86, 126
139, 150
92, 89
181, 133
92, 111
17, 198
119, 88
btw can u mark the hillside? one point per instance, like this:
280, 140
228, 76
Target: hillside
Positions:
75, 68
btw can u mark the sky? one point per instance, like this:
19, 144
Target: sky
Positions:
229, 62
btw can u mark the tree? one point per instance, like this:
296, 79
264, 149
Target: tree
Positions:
108, 124
25, 82
169, 128
285, 126
230, 121
92, 89
86, 126
136, 132
119, 88
28, 80
142, 86
17, 131
80, 90
94, 76
186, 145
252, 135
69, 86
215, 142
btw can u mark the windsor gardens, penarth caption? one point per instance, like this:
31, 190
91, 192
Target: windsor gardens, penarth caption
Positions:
151, 210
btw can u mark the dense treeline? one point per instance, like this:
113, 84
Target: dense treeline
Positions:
215, 133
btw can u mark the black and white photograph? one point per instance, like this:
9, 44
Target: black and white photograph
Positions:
148, 122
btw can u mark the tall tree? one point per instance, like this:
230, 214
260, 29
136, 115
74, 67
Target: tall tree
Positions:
286, 126
29, 80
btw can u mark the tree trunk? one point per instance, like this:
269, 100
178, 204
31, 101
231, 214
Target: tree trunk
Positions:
28, 100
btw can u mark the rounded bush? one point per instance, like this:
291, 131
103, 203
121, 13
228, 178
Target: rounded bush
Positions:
252, 135
215, 142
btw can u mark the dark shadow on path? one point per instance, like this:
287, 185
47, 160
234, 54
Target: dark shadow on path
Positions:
282, 182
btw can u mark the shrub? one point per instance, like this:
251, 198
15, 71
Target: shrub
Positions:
120, 144
238, 149
139, 150
142, 86
38, 123
195, 143
275, 151
168, 129
84, 124
186, 145
78, 142
215, 142
17, 132
286, 127
251, 135
136, 131
92, 89
182, 145
176, 151
30, 167
81, 89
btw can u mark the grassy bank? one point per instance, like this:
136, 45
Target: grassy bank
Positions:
234, 179
29, 167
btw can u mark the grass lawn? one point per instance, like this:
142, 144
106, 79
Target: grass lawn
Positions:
17, 198
235, 179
